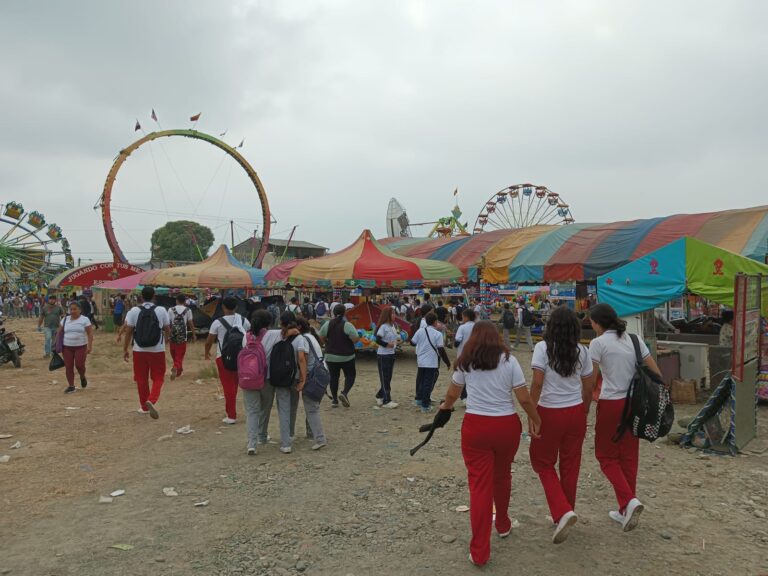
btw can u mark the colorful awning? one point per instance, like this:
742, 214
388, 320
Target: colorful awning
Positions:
366, 264
685, 265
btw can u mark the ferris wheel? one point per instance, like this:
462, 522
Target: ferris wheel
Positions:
32, 250
522, 206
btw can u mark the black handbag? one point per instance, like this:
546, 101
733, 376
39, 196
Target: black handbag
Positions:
56, 362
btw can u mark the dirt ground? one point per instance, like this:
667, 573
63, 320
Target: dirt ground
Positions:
361, 506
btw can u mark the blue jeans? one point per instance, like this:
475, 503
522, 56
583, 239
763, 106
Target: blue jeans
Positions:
386, 365
50, 334
425, 383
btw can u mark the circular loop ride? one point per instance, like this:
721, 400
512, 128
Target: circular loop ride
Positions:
106, 197
522, 206
32, 250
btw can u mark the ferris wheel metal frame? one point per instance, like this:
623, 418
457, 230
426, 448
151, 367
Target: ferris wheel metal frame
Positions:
106, 197
25, 252
522, 206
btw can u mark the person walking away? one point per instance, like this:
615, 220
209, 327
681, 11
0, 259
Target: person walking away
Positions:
339, 337
386, 338
147, 326
227, 332
118, 312
294, 307
508, 322
49, 322
561, 390
430, 350
308, 354
463, 332
613, 355
525, 320
253, 378
307, 309
182, 326
274, 311
287, 376
490, 432
78, 343
321, 310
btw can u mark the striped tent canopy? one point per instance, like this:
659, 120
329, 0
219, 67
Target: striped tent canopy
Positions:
219, 270
367, 264
579, 252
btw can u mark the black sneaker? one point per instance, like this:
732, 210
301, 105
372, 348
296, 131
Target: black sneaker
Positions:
83, 382
69, 390
344, 400
334, 403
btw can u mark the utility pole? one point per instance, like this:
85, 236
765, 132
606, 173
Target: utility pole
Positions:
232, 233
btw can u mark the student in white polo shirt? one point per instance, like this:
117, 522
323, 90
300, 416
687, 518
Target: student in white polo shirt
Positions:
562, 388
430, 349
613, 354
490, 432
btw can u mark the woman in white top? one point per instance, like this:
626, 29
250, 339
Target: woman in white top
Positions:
386, 337
463, 332
490, 433
562, 386
78, 343
613, 355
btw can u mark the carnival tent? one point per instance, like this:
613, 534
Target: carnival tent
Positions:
219, 270
366, 264
685, 265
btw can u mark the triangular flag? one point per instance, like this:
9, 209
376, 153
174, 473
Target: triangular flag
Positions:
241, 143
456, 192
195, 118
137, 127
154, 116
223, 134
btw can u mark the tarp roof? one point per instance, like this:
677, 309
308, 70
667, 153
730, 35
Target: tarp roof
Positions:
685, 265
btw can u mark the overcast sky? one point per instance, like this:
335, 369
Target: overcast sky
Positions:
627, 109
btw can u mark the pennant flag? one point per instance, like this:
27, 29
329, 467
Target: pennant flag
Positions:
241, 143
154, 116
137, 127
456, 192
195, 118
223, 134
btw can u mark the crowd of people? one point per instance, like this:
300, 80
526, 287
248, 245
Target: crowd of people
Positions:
287, 361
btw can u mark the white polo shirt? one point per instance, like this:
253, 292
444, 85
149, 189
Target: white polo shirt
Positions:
561, 391
463, 333
218, 330
616, 357
489, 392
162, 316
426, 353
387, 333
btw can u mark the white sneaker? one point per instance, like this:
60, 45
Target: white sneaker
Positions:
564, 527
379, 402
632, 514
251, 451
391, 404
142, 411
269, 441
286, 450
505, 534
616, 516
319, 445
229, 420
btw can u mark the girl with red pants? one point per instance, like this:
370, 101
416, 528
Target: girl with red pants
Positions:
490, 433
562, 387
78, 343
613, 354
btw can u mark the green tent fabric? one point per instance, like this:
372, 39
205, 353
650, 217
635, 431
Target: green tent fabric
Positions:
686, 265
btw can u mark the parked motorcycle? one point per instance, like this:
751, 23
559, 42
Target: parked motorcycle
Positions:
11, 347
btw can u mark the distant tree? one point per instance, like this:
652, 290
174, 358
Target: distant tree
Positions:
181, 240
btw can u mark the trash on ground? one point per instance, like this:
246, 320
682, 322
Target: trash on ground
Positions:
184, 430
17, 445
462, 508
201, 504
170, 491
123, 547
117, 493
105, 499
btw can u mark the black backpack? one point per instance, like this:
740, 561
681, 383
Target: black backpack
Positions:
648, 411
282, 364
233, 343
528, 319
308, 311
147, 332
508, 319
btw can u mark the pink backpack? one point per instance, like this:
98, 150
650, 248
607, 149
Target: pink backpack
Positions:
252, 364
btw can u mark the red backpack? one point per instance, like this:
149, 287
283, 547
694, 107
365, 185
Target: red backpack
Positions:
252, 364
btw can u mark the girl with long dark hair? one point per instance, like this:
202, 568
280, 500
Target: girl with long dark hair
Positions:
490, 433
561, 389
613, 354
386, 337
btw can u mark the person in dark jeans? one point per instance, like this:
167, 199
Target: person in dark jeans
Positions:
430, 349
339, 337
386, 338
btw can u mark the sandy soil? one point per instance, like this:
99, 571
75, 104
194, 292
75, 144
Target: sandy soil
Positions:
360, 506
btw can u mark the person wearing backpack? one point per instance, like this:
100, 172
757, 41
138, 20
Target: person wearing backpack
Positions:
309, 356
181, 326
294, 307
307, 309
147, 326
613, 355
562, 389
321, 310
525, 320
340, 337
253, 378
287, 376
227, 333
274, 311
508, 322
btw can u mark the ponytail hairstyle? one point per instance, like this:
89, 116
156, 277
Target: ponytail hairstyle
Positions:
605, 316
562, 335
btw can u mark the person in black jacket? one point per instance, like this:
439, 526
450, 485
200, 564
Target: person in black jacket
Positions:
339, 337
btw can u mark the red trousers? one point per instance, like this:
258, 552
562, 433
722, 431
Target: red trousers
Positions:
177, 354
618, 460
148, 365
228, 380
74, 357
562, 436
489, 445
